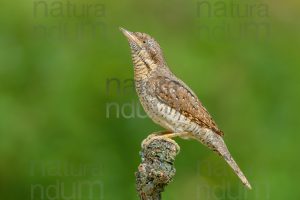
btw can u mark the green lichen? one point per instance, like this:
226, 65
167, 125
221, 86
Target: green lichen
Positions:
157, 168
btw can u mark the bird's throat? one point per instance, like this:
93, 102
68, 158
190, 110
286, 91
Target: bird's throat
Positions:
143, 64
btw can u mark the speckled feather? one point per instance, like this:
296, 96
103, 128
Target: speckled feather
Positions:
169, 102
166, 87
181, 98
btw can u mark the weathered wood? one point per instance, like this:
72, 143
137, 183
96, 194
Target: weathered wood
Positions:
157, 168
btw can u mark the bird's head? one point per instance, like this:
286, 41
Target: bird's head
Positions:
144, 46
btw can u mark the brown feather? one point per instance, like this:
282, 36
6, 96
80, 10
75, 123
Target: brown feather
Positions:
177, 96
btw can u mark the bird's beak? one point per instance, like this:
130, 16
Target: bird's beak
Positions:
131, 37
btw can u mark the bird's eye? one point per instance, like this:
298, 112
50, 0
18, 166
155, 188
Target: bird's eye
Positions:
144, 41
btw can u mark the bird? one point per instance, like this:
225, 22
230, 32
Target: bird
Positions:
170, 103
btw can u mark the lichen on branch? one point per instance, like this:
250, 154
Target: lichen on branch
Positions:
157, 168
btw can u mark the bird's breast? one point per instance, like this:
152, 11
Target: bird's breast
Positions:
168, 117
163, 114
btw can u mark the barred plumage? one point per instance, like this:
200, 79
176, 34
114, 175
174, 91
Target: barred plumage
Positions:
169, 102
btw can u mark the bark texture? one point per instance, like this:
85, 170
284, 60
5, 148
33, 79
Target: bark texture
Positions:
157, 169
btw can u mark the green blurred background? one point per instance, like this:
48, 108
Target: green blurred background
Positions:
69, 114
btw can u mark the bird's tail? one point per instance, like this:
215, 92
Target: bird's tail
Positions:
217, 144
221, 148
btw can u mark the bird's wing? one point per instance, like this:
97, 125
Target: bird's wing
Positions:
181, 98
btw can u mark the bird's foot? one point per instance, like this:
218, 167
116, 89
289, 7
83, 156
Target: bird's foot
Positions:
166, 135
153, 135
